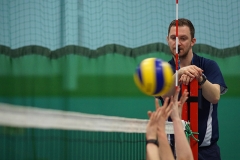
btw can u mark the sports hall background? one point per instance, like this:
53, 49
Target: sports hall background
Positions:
80, 55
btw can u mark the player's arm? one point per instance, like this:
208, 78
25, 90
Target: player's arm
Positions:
162, 114
152, 152
164, 147
183, 150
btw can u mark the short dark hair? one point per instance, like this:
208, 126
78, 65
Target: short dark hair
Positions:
183, 22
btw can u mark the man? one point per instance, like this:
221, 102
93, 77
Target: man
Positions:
211, 82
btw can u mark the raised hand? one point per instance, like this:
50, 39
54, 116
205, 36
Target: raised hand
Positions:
151, 130
188, 73
157, 119
163, 113
177, 105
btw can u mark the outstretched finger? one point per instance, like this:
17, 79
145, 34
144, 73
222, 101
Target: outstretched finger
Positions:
149, 113
157, 104
168, 110
175, 98
165, 104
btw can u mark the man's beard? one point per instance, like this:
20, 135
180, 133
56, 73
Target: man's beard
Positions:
184, 55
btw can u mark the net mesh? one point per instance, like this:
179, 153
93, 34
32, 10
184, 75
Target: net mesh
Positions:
55, 24
36, 133
48, 137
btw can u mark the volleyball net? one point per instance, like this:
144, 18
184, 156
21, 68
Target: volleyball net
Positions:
37, 133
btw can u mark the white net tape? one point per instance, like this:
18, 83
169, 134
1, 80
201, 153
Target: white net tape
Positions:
31, 117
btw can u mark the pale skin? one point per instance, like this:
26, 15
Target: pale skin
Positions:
162, 115
183, 150
156, 130
188, 72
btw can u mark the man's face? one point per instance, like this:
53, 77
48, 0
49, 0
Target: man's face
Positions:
185, 42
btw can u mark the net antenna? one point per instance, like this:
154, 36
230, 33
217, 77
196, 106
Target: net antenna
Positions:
177, 52
190, 110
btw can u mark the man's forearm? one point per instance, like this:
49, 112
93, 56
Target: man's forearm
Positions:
211, 92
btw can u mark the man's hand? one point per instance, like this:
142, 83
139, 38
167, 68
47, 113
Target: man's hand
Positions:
188, 73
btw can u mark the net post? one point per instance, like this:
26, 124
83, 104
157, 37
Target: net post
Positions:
190, 113
185, 106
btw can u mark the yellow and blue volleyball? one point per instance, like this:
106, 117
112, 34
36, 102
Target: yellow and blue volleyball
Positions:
154, 76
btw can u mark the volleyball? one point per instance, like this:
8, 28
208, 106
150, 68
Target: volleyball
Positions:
153, 76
